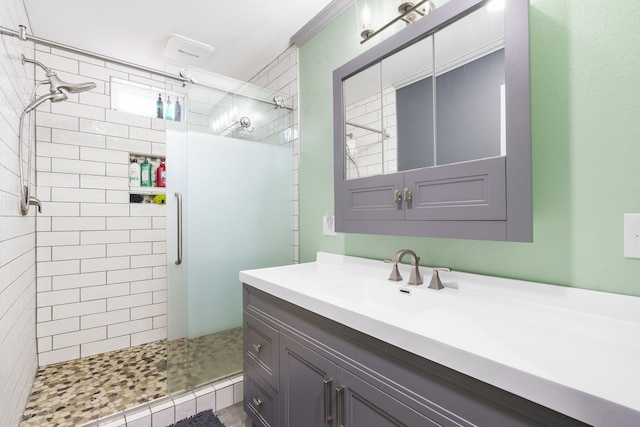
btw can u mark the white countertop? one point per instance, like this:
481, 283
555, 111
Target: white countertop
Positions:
572, 350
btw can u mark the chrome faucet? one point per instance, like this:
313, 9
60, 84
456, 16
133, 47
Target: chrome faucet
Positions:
27, 201
415, 278
35, 201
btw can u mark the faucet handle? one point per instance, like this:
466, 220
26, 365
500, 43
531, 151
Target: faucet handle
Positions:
435, 278
395, 273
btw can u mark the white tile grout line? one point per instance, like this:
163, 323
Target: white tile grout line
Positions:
169, 402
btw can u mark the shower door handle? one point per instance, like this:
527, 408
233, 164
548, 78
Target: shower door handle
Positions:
179, 260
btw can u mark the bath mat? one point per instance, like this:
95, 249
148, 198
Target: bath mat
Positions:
201, 419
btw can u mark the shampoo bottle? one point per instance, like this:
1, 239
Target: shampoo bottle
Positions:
177, 115
161, 174
134, 174
145, 173
168, 113
159, 107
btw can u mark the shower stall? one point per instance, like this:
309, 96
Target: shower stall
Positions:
229, 208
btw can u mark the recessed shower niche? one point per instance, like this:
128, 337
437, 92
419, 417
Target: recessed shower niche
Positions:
147, 194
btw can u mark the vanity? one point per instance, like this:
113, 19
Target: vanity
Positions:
335, 343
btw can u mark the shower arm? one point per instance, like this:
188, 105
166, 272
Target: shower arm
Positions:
38, 63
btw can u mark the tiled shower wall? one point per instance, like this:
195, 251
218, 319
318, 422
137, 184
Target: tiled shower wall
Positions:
101, 261
281, 75
373, 154
17, 233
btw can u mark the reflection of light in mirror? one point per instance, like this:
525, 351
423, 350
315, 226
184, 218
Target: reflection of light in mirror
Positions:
352, 149
495, 5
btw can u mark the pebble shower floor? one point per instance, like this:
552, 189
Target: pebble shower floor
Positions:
75, 392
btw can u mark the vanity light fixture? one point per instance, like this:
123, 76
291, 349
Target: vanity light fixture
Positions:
408, 11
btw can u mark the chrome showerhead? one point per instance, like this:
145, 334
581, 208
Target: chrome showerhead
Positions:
54, 97
58, 85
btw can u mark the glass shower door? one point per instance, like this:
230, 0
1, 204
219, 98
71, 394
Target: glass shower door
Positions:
237, 214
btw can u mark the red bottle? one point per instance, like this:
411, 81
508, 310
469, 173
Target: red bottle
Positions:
161, 175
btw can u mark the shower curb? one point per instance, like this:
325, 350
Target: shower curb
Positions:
167, 410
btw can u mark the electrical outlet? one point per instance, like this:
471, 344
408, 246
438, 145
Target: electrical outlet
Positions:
632, 235
328, 226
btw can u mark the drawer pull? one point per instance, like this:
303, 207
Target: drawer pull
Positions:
257, 402
257, 348
339, 394
327, 397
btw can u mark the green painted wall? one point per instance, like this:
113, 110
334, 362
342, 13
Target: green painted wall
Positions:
585, 84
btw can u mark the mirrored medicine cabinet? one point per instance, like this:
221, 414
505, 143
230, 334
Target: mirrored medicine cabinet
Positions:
432, 128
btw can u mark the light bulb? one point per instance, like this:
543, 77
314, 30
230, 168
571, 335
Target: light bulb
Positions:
367, 29
495, 5
366, 17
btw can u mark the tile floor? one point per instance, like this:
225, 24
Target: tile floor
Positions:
203, 359
78, 391
234, 416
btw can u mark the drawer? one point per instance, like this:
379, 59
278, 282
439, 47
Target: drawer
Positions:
261, 348
259, 400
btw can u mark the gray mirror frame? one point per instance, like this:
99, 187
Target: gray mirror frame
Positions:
518, 225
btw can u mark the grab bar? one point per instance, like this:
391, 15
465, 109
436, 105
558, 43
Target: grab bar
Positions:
179, 197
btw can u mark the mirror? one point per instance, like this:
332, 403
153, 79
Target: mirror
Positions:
398, 118
432, 128
364, 136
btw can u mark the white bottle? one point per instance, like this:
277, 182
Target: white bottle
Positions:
134, 174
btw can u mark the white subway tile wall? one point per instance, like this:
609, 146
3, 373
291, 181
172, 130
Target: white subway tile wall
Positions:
281, 75
17, 233
369, 153
97, 253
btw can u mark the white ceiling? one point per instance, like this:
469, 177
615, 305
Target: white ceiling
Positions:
246, 35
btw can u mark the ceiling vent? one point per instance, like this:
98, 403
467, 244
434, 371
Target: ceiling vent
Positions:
187, 51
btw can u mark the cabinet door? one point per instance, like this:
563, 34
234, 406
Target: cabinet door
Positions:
373, 198
360, 404
306, 386
459, 192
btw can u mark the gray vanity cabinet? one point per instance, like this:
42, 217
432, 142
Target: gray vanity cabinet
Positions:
331, 375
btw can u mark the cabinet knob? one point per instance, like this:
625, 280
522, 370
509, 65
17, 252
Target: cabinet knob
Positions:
257, 348
256, 402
